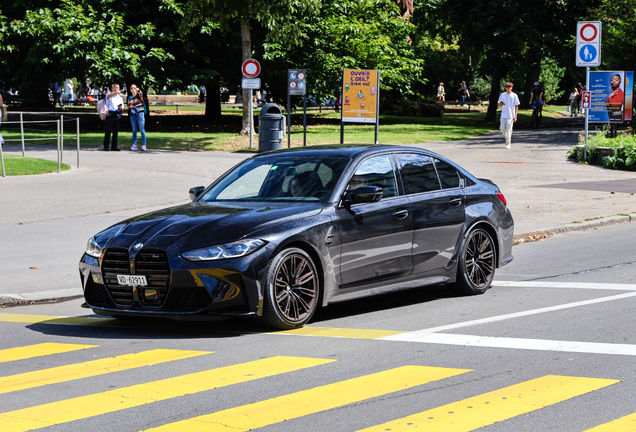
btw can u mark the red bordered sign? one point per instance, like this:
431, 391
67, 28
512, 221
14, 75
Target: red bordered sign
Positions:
251, 68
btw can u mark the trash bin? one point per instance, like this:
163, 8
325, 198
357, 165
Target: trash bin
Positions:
271, 128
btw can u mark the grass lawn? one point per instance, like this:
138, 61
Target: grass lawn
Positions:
18, 165
323, 128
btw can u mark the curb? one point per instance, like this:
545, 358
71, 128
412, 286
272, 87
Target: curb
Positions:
42, 296
528, 235
546, 232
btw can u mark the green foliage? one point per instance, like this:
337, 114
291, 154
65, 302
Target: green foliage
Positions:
551, 75
353, 34
619, 33
623, 156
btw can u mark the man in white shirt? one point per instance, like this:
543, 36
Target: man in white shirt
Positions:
509, 104
115, 104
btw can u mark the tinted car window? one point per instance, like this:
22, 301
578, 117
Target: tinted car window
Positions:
448, 176
376, 171
418, 173
283, 178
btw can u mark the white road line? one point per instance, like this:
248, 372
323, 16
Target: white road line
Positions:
416, 333
517, 343
581, 285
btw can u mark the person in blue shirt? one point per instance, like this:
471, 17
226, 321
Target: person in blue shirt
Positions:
57, 94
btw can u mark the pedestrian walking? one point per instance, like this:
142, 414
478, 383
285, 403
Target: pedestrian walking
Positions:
463, 93
441, 93
115, 105
574, 102
136, 113
509, 104
57, 94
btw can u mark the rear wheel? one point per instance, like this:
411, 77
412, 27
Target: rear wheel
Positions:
477, 262
291, 294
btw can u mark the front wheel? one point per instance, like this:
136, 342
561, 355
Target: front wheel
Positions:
477, 261
291, 294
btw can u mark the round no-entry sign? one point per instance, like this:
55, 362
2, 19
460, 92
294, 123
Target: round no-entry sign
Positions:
588, 32
251, 68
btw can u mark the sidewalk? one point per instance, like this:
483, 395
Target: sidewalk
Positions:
46, 220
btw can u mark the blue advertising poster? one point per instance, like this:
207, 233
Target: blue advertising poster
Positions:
608, 96
629, 95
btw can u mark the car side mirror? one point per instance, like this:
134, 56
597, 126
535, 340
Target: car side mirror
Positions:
362, 194
195, 192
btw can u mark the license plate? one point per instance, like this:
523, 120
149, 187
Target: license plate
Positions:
130, 280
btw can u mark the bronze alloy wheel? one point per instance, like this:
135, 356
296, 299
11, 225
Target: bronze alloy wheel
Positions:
292, 292
477, 263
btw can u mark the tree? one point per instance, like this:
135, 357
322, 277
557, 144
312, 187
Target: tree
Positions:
279, 18
353, 34
506, 35
619, 33
53, 40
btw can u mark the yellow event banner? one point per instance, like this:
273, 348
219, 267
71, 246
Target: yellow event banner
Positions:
360, 96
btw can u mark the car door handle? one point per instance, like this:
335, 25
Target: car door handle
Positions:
400, 214
455, 202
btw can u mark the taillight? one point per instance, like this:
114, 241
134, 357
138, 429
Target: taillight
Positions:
501, 198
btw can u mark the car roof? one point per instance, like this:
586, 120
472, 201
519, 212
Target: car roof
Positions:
337, 150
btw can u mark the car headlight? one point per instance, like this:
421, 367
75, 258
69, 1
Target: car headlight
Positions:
93, 249
235, 249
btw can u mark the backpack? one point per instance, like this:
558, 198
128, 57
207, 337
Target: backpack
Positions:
102, 109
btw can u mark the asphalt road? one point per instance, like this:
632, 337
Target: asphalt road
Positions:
550, 347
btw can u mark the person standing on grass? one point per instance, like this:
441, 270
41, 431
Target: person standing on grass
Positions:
136, 113
115, 105
509, 104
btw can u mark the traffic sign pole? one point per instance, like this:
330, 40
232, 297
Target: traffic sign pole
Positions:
587, 113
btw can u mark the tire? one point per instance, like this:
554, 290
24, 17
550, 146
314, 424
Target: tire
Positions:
292, 290
477, 262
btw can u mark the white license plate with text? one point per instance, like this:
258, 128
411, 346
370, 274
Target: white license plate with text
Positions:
130, 280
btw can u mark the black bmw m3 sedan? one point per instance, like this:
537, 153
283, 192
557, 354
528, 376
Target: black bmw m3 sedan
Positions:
285, 232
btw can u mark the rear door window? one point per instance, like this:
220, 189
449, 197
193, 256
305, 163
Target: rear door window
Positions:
418, 173
448, 176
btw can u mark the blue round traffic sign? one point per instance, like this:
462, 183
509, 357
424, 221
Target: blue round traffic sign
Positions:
587, 53
292, 75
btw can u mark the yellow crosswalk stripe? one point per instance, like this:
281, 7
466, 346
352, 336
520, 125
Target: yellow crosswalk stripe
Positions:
623, 424
92, 368
311, 401
141, 394
38, 350
499, 405
51, 319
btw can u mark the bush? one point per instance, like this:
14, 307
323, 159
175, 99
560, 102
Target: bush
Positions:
623, 147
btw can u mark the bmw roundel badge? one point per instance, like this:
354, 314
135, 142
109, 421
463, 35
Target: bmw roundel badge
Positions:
138, 246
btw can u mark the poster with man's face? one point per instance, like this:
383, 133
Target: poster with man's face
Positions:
608, 96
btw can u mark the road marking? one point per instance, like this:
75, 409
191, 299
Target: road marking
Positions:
295, 405
44, 319
499, 405
520, 343
572, 285
38, 350
114, 400
92, 368
624, 424
340, 332
406, 336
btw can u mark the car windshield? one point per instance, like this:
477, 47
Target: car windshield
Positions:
280, 178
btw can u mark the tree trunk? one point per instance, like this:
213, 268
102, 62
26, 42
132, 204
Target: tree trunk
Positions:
246, 42
213, 100
491, 114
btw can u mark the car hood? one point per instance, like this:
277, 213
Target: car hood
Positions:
194, 225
